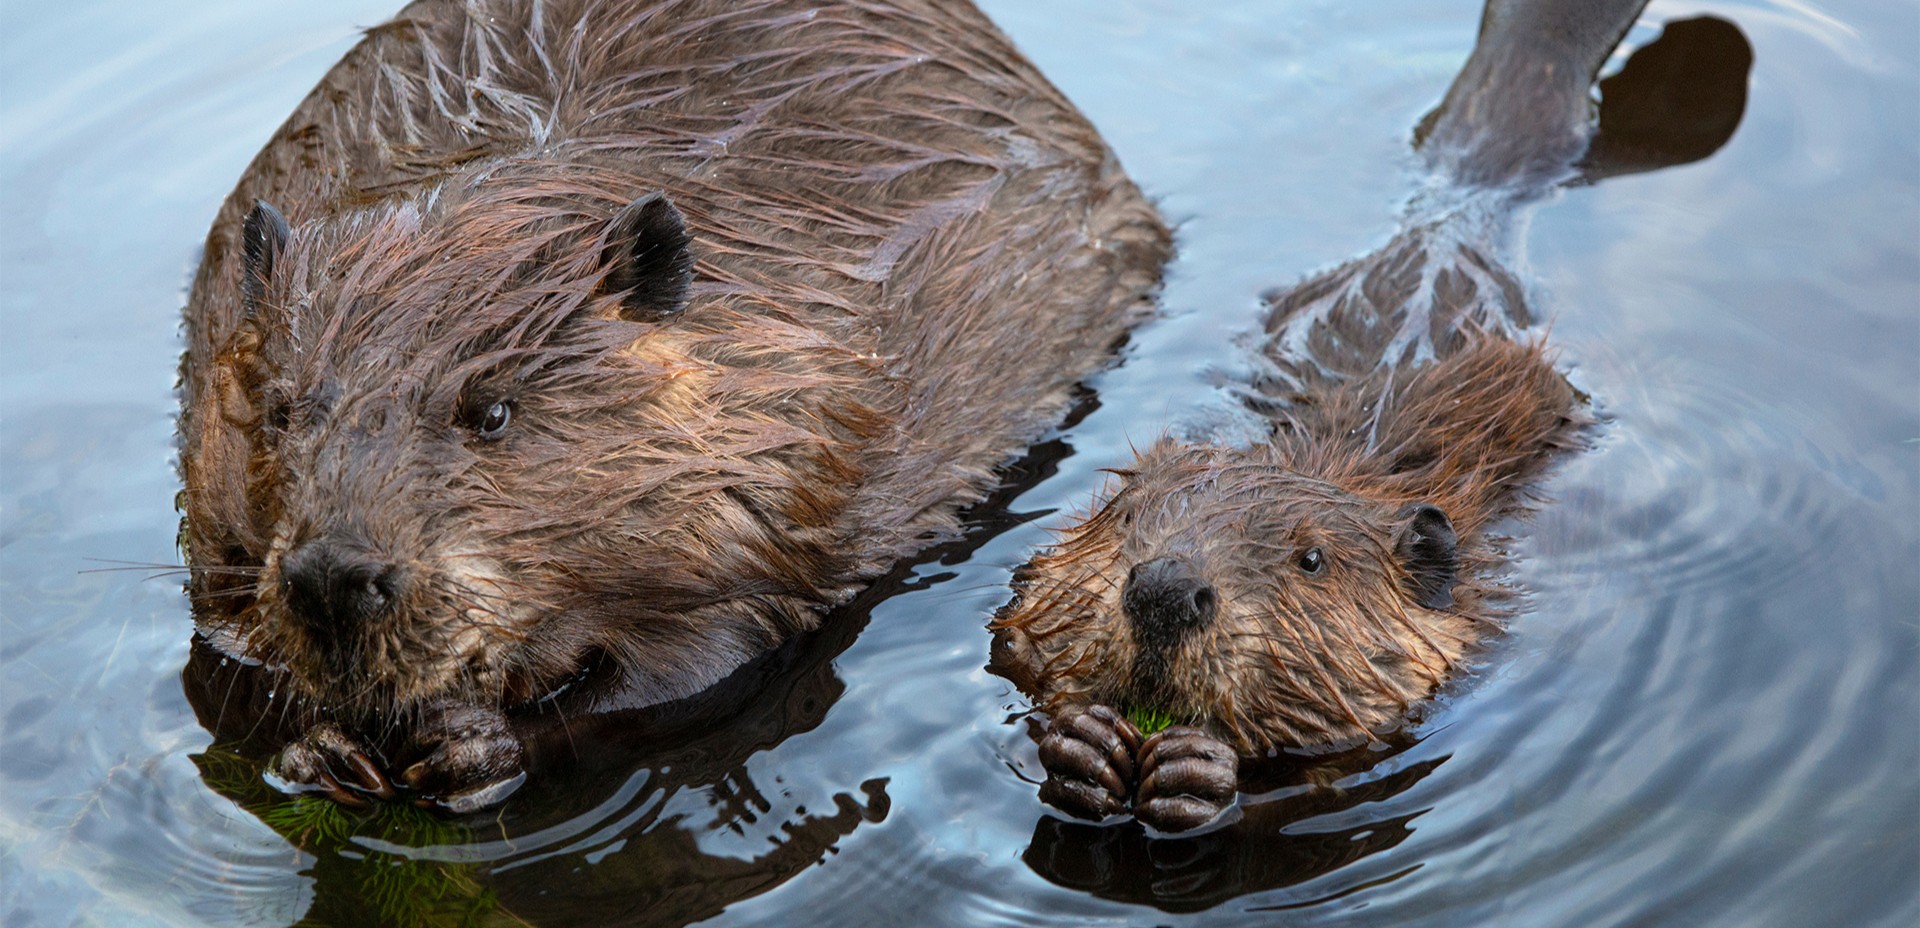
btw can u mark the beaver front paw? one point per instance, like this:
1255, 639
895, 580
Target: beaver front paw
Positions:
1088, 755
1187, 778
331, 763
468, 759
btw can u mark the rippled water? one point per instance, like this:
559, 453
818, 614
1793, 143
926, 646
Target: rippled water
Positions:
1706, 716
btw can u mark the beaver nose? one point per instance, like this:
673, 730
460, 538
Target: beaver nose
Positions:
334, 586
1165, 598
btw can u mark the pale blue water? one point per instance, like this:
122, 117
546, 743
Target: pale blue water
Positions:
1707, 715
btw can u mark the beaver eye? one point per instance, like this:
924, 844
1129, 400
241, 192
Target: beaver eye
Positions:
493, 422
1312, 562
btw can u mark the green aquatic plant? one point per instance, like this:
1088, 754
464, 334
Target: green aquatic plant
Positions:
362, 862
420, 893
307, 821
1150, 720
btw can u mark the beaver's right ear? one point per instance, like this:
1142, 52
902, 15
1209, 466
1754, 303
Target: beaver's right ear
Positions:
649, 261
1428, 549
262, 239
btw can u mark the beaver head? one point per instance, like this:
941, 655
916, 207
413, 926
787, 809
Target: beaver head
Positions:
1225, 588
482, 436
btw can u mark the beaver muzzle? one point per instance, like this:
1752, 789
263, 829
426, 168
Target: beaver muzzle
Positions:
336, 587
1165, 600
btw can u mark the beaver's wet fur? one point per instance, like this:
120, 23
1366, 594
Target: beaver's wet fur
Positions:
1307, 591
551, 336
1302, 593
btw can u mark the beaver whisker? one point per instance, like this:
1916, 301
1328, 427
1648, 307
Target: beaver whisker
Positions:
169, 569
472, 609
1353, 619
462, 599
1054, 597
1066, 660
470, 592
234, 593
1418, 630
506, 632
1328, 687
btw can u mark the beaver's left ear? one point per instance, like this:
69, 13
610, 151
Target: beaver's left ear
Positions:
1428, 550
649, 262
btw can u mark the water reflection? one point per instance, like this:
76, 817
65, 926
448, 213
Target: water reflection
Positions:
1676, 101
1298, 823
639, 793
644, 795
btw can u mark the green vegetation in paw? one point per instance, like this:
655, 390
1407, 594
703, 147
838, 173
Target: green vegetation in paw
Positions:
1150, 721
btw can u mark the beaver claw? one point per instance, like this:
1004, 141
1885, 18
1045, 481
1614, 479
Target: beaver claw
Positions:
1088, 755
331, 763
468, 759
1187, 778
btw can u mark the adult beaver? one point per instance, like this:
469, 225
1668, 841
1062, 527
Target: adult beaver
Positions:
550, 336
1303, 592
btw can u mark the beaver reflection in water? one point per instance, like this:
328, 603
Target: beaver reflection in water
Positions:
619, 339
1307, 591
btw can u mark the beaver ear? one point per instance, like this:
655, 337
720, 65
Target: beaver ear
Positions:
262, 239
1428, 550
1014, 657
648, 259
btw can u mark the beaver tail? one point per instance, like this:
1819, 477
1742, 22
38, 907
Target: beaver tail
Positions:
1519, 113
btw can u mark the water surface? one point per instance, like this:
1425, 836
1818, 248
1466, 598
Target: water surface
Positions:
1705, 715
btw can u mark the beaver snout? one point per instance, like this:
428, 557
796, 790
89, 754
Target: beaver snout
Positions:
1165, 598
334, 586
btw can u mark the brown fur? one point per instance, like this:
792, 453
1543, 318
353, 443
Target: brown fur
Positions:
909, 247
1293, 660
1399, 410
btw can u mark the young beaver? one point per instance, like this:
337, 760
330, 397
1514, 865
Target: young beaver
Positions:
1298, 593
565, 335
1307, 591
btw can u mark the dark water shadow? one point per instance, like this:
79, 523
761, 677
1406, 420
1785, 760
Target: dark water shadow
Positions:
1272, 843
1677, 100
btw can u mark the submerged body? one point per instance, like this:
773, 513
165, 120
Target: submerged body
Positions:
1306, 591
551, 337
